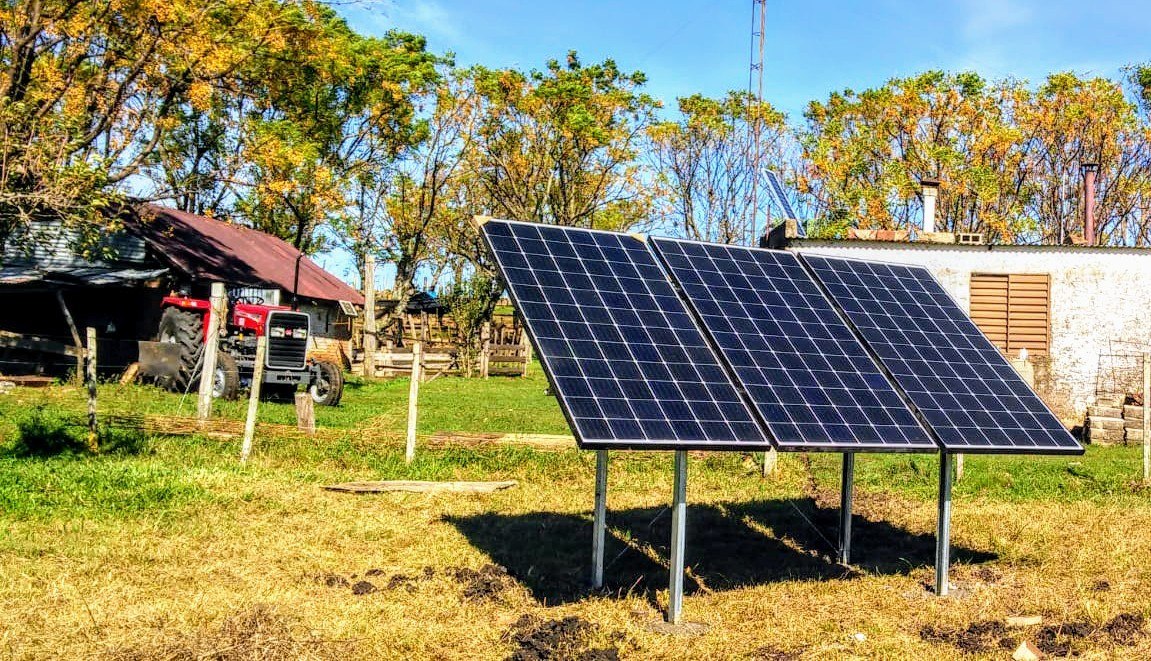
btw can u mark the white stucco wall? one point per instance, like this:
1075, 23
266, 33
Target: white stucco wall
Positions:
1098, 295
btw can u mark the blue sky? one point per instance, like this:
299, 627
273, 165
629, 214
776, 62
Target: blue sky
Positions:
813, 47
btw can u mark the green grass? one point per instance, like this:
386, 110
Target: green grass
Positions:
161, 476
446, 404
1100, 473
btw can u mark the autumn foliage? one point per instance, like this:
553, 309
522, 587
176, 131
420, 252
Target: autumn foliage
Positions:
278, 115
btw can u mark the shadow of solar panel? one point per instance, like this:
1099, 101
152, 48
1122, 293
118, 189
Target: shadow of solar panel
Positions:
811, 381
628, 364
962, 385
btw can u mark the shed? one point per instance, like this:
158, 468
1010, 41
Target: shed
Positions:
159, 250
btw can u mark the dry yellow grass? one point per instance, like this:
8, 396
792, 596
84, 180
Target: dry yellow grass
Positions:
268, 572
178, 553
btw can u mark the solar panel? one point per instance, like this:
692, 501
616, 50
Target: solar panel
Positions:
811, 381
629, 365
777, 189
962, 385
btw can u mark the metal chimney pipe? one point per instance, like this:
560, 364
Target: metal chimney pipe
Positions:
1090, 171
930, 193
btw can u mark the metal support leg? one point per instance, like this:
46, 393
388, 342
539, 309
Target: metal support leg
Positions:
678, 532
845, 489
943, 533
598, 521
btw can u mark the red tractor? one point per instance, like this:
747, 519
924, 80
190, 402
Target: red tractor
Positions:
184, 324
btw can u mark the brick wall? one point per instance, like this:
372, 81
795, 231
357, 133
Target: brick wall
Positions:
1098, 295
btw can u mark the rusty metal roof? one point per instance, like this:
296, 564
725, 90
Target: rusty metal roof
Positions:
214, 250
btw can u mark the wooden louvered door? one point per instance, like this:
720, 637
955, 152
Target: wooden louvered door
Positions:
1013, 310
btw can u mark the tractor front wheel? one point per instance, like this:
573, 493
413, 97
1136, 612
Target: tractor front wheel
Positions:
328, 384
226, 385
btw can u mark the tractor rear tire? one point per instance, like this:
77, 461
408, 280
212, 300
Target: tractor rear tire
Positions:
328, 387
184, 328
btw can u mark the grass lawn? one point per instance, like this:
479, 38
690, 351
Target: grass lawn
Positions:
164, 547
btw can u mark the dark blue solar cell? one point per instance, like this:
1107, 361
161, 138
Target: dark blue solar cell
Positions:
774, 326
963, 386
626, 358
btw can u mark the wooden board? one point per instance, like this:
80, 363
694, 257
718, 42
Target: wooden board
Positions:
420, 486
29, 381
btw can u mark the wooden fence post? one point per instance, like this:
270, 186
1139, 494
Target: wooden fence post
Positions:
254, 398
527, 351
371, 339
485, 352
413, 400
1146, 418
90, 377
306, 413
75, 337
219, 302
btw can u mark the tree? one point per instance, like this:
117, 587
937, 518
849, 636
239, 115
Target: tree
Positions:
1072, 121
288, 139
560, 145
90, 89
705, 164
866, 153
406, 211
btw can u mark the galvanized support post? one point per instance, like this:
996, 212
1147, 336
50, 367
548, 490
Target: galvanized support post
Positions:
678, 534
845, 492
599, 523
943, 532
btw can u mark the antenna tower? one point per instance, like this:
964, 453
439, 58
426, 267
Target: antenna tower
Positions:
755, 105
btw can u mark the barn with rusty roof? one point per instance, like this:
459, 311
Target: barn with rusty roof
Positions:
57, 288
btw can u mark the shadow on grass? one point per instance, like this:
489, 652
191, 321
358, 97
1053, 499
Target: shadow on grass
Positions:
729, 546
48, 433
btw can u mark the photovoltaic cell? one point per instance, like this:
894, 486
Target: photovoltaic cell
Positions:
811, 381
962, 385
628, 364
777, 189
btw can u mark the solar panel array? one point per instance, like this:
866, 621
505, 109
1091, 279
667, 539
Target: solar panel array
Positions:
963, 386
777, 189
811, 381
828, 362
629, 365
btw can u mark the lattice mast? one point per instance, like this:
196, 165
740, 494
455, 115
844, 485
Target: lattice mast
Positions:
755, 104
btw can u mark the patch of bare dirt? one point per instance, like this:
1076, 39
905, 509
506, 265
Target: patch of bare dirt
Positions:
488, 583
256, 634
1060, 639
364, 587
977, 637
1126, 628
546, 640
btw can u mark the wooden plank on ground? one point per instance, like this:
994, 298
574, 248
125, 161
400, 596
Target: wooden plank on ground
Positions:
418, 486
